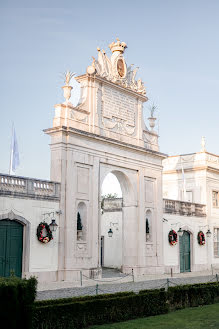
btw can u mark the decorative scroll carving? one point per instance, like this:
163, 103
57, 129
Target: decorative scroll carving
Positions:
81, 246
150, 140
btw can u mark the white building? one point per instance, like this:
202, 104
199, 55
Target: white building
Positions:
200, 185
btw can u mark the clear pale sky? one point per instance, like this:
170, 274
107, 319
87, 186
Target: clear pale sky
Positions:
174, 43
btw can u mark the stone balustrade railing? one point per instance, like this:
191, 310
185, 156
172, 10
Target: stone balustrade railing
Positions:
184, 208
28, 187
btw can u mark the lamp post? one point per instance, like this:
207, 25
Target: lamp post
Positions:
53, 225
110, 233
208, 233
180, 232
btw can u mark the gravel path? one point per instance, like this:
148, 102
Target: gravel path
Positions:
120, 287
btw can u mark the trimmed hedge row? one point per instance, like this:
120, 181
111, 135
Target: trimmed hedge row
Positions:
192, 295
81, 312
16, 302
81, 299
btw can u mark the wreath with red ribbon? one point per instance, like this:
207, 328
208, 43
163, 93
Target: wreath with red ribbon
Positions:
44, 238
201, 238
172, 237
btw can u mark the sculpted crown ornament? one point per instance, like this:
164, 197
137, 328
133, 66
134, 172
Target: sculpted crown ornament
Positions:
117, 46
115, 69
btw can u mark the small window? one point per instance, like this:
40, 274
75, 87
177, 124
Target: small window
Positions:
215, 196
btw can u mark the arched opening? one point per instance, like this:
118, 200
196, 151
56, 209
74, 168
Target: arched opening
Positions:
111, 223
81, 221
11, 248
185, 252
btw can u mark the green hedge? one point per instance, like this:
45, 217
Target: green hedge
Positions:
80, 314
192, 295
16, 300
81, 299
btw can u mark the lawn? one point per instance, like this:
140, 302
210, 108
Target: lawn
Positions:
205, 317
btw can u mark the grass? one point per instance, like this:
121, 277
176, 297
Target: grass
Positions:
204, 317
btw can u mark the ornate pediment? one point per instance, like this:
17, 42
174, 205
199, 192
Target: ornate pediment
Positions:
115, 69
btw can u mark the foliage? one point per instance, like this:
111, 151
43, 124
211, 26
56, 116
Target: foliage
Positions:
16, 300
152, 108
147, 226
201, 238
81, 299
40, 228
108, 196
79, 223
80, 314
193, 295
172, 237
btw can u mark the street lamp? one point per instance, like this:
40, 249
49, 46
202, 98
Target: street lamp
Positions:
208, 233
180, 232
110, 233
53, 226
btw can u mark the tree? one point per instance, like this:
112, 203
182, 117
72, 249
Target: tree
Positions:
79, 223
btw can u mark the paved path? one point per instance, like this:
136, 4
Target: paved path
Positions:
115, 286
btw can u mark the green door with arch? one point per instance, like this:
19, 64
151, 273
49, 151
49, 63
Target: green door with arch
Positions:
184, 245
11, 248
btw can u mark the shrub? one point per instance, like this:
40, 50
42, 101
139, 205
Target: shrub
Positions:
81, 299
79, 314
193, 295
16, 301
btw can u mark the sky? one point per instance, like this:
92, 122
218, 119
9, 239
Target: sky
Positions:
174, 43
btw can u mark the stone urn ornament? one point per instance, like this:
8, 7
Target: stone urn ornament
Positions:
67, 88
152, 119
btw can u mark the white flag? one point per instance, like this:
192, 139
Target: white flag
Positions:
14, 162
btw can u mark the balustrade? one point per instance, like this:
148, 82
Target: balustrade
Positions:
183, 208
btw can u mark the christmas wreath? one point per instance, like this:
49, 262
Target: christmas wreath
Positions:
42, 237
172, 237
201, 238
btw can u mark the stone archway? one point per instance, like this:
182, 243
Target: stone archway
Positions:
106, 133
130, 224
12, 217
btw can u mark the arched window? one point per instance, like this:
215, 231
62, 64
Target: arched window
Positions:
81, 221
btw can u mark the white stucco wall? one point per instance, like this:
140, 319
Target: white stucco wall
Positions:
40, 259
198, 254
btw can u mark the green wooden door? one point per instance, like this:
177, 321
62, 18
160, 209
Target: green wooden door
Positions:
184, 244
11, 247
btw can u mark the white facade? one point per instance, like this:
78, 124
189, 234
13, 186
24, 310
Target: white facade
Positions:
192, 177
